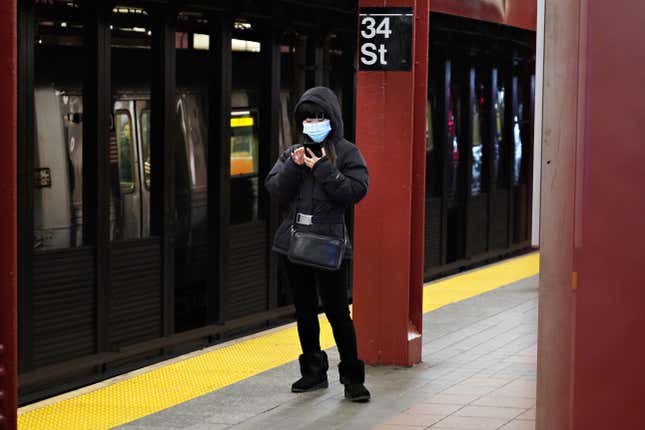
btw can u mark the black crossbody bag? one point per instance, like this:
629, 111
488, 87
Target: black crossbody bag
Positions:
316, 250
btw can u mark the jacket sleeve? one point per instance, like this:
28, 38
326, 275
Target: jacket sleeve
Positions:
345, 185
284, 178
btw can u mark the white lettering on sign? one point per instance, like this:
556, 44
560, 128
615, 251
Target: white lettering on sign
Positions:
371, 30
368, 56
384, 28
370, 24
385, 36
382, 51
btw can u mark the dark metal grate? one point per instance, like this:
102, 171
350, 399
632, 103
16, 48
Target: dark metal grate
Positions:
247, 292
64, 305
135, 297
500, 219
432, 254
477, 224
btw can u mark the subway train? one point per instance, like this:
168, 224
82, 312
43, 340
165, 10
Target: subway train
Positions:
91, 310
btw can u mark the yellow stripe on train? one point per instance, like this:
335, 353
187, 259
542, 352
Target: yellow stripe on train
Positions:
242, 122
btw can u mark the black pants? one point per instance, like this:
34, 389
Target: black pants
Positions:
333, 293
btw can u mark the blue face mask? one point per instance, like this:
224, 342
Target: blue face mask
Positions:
317, 131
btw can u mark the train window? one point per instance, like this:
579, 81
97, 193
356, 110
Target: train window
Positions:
130, 28
480, 129
125, 146
244, 145
58, 165
191, 177
498, 139
433, 151
244, 167
454, 122
518, 124
286, 137
517, 152
144, 120
58, 126
477, 147
201, 41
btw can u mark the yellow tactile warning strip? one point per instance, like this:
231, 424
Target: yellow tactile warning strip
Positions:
165, 386
478, 281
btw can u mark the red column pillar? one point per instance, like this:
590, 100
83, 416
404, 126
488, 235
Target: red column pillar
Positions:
592, 286
8, 236
388, 263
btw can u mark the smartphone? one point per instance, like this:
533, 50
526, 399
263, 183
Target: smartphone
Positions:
316, 148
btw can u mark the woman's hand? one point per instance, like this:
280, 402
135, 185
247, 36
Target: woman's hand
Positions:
298, 156
311, 160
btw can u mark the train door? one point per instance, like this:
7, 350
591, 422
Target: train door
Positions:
126, 196
142, 119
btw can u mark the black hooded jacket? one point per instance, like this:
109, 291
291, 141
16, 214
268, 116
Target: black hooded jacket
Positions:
324, 191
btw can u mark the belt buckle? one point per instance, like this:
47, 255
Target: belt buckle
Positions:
304, 219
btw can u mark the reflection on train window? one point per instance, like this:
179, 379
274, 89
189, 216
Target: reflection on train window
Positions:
201, 41
130, 28
57, 153
429, 137
498, 143
58, 169
477, 152
517, 142
453, 136
144, 121
191, 176
125, 145
433, 152
244, 148
518, 125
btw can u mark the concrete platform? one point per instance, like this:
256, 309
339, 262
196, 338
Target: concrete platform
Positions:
478, 373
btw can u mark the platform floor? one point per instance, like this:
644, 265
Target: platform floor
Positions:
478, 372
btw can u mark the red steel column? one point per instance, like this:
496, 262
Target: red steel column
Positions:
388, 263
592, 286
8, 236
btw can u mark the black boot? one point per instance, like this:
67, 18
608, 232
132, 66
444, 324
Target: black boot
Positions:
313, 367
352, 376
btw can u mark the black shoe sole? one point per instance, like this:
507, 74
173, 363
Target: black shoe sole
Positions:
359, 399
320, 386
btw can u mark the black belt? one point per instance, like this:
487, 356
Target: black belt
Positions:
306, 219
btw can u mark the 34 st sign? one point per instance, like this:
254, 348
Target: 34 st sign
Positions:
385, 39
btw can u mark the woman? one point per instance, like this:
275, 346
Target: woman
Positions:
319, 179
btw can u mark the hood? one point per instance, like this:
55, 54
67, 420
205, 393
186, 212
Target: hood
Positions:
326, 99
